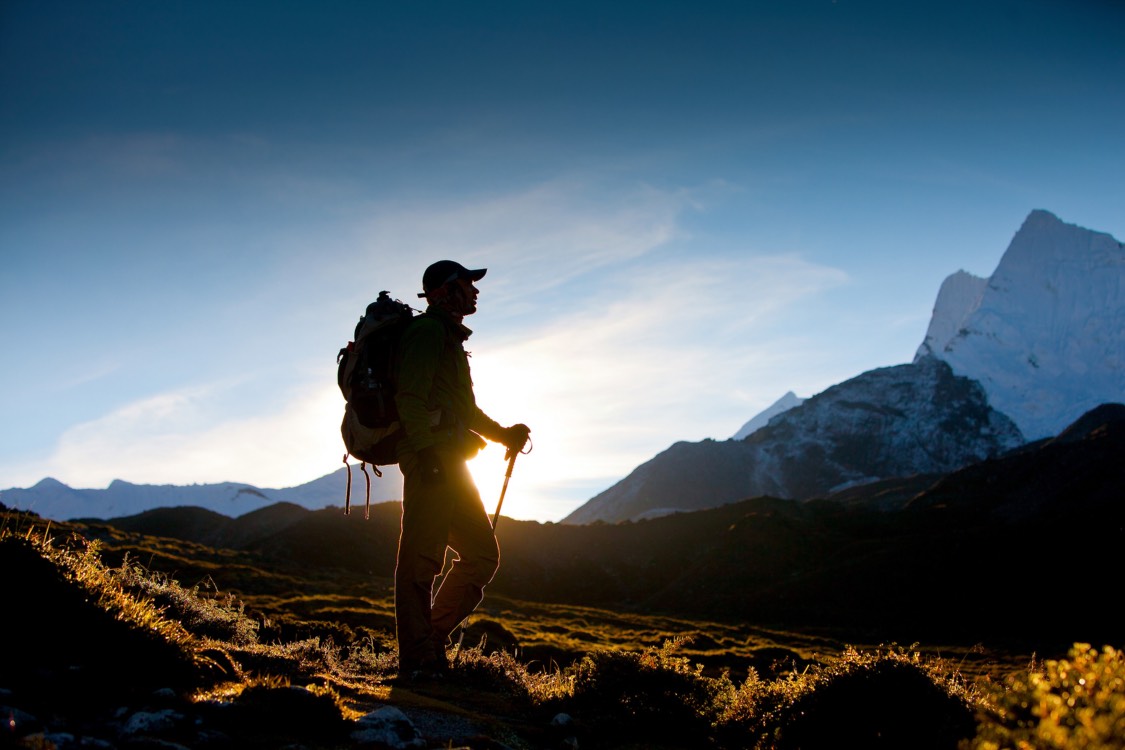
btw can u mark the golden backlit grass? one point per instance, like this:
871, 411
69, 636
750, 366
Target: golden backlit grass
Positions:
1076, 703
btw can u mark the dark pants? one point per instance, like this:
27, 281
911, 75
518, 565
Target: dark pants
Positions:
434, 517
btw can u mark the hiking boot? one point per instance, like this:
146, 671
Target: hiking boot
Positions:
426, 671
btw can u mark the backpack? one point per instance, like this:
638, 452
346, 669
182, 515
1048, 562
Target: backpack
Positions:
365, 372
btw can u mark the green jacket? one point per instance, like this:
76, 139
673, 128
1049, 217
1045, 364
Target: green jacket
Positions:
434, 375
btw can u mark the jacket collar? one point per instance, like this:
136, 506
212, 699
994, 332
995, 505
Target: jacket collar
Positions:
458, 328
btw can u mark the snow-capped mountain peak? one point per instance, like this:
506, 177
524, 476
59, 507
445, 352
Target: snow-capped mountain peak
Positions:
1043, 333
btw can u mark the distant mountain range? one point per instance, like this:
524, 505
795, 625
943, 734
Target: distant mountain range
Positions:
1011, 358
1008, 359
51, 498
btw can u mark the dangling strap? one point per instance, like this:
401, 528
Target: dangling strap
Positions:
367, 508
348, 492
367, 512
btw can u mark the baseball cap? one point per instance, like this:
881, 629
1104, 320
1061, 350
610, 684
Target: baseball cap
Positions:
444, 271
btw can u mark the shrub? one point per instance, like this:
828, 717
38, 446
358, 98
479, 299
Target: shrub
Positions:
654, 694
1076, 703
882, 698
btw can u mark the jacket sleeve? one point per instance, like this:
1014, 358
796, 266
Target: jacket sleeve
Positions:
420, 354
486, 426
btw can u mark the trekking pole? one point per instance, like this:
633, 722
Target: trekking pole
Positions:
504, 488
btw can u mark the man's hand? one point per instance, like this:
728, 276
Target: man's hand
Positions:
430, 465
514, 438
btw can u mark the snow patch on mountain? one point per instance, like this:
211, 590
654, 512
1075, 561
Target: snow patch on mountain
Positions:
760, 420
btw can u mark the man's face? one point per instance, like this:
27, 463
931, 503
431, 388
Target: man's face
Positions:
464, 296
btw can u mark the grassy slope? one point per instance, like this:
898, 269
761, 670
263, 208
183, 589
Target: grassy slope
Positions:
131, 629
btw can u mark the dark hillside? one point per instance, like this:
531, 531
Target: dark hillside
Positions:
1091, 421
187, 523
1078, 476
328, 538
964, 559
258, 524
43, 604
202, 526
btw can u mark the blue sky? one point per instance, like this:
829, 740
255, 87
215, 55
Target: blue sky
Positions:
686, 210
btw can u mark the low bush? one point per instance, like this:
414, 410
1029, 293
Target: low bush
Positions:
889, 697
655, 694
1076, 703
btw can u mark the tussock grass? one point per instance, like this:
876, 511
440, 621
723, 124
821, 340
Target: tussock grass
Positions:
203, 611
80, 560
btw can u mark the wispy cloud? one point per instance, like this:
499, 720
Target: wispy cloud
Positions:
192, 436
534, 239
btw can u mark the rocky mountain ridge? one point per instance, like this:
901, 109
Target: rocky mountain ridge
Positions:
894, 421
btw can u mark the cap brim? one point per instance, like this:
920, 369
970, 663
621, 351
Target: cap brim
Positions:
474, 275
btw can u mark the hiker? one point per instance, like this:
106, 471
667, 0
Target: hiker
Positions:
440, 503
